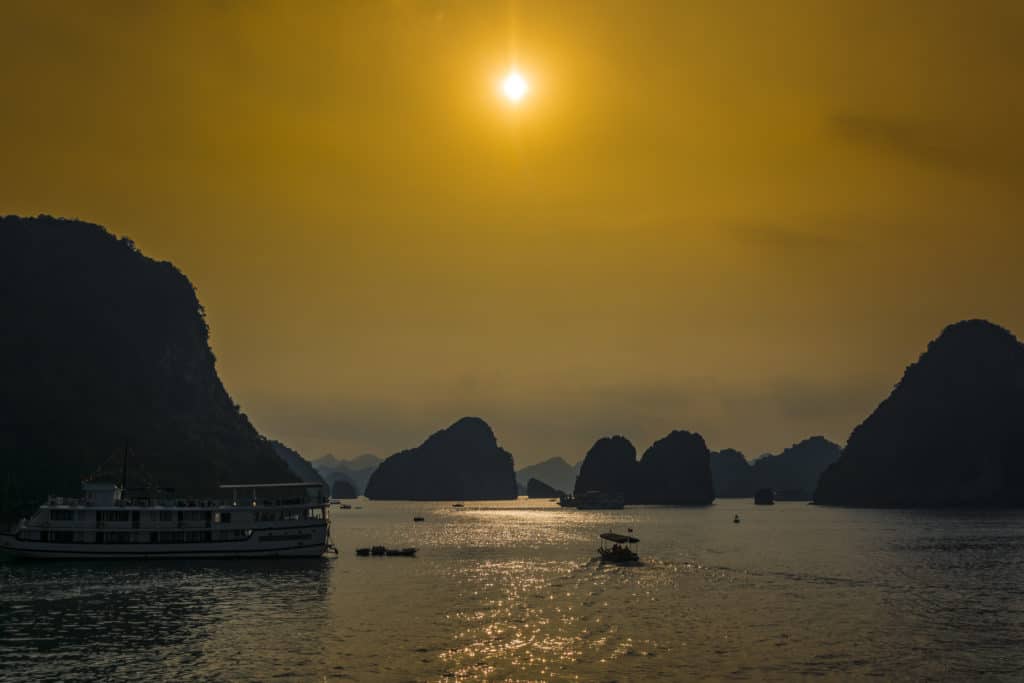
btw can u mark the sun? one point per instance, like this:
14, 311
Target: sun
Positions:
514, 86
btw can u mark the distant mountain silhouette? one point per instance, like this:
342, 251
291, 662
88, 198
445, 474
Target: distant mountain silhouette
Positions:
355, 470
360, 462
535, 488
343, 488
950, 433
675, 470
101, 345
462, 462
732, 475
554, 471
792, 474
298, 465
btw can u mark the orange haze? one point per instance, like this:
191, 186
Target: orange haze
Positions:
732, 217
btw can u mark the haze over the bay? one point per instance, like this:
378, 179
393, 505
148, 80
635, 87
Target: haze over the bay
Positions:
737, 219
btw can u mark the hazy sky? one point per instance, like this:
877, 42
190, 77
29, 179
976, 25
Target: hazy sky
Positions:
739, 218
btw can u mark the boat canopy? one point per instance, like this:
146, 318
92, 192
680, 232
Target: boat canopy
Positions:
619, 538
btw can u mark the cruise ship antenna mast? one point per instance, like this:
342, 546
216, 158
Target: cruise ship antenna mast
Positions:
124, 468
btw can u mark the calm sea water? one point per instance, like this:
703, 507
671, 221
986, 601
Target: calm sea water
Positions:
510, 591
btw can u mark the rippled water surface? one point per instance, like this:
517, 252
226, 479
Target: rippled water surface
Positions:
510, 591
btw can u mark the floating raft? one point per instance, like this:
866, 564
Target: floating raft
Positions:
381, 551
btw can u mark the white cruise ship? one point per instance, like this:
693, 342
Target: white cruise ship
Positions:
257, 520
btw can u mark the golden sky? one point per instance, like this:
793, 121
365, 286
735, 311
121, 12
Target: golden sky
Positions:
732, 217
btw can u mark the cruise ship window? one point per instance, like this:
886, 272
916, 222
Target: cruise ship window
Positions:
112, 516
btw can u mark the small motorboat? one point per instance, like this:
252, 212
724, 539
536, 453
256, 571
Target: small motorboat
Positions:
363, 552
736, 519
621, 549
458, 505
417, 519
400, 552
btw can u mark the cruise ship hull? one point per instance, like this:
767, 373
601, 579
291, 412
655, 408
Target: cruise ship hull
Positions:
253, 547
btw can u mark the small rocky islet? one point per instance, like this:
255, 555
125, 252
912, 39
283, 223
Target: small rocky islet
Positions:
535, 488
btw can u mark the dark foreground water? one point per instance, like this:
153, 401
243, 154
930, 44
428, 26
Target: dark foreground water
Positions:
509, 591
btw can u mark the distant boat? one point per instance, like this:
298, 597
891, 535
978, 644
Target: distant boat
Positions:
381, 551
458, 505
594, 500
736, 519
417, 519
620, 550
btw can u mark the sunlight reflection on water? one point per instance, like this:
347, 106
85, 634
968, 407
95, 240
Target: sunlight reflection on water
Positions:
510, 591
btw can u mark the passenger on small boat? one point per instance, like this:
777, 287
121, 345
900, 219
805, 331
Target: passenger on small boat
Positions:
620, 550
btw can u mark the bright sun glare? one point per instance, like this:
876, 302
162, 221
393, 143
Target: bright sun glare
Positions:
514, 86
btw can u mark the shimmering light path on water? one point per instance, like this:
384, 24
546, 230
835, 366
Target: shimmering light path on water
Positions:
509, 591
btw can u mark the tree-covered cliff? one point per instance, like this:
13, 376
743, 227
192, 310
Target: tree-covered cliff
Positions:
675, 470
101, 346
461, 462
950, 433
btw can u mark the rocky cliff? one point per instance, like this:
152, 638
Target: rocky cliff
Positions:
675, 470
732, 474
462, 462
99, 346
299, 466
793, 474
609, 466
950, 433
